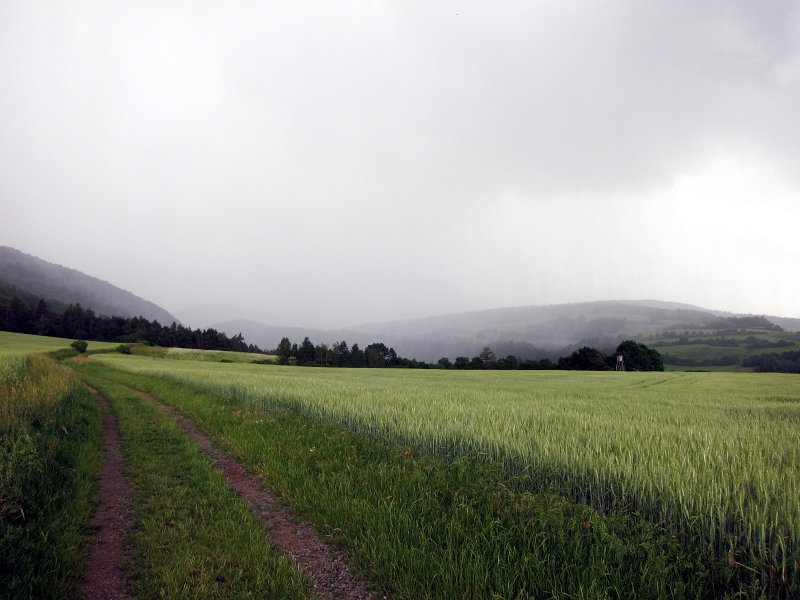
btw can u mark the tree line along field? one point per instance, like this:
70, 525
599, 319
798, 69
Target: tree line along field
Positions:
505, 484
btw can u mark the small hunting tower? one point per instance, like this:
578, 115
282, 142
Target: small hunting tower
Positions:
620, 363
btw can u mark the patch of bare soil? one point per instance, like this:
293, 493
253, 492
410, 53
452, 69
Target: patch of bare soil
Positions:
326, 567
104, 578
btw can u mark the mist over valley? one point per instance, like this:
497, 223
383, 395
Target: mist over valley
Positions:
527, 332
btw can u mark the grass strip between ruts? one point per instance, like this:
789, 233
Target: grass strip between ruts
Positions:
423, 527
193, 537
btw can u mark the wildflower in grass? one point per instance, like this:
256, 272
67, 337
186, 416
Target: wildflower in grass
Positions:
586, 525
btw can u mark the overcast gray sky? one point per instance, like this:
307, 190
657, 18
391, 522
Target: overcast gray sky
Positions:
342, 162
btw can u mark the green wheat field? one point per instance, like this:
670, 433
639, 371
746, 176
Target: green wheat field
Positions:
710, 460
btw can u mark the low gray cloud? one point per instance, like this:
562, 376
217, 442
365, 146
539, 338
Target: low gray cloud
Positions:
336, 163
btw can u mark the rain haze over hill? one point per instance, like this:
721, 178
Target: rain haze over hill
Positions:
334, 164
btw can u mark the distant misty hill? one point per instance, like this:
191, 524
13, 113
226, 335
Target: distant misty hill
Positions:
61, 286
527, 331
787, 323
209, 315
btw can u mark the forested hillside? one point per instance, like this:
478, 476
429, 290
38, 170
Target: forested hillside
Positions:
61, 286
34, 316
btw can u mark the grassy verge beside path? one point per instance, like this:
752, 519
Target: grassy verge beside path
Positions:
193, 536
50, 457
424, 527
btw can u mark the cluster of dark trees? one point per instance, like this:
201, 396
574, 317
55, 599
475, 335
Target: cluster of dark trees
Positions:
341, 355
488, 360
785, 362
76, 322
637, 357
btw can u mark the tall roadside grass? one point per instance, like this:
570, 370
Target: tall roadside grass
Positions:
12, 368
712, 457
50, 455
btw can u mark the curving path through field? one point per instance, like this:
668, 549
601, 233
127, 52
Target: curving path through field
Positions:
327, 568
104, 578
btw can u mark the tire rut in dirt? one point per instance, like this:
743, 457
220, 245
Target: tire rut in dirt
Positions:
104, 578
327, 568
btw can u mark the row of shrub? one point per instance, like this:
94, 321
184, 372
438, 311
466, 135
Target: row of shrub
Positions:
636, 357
